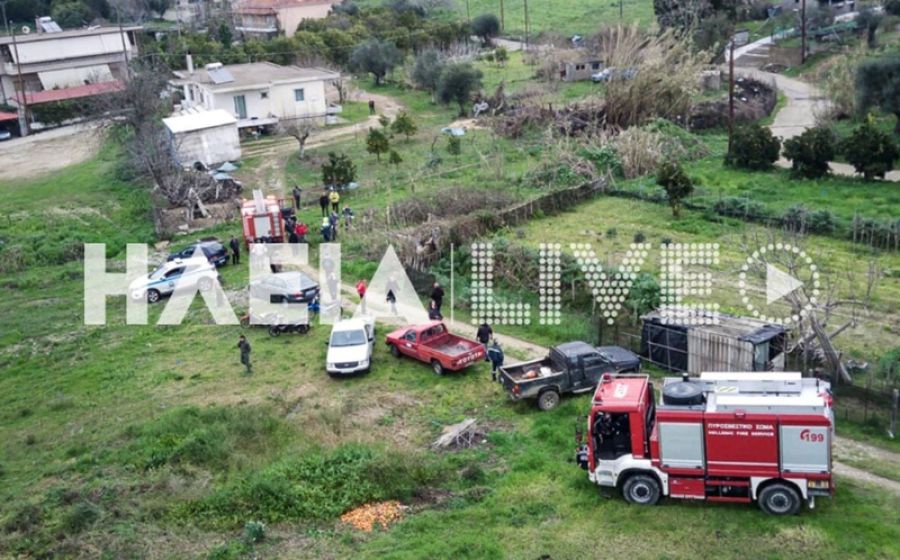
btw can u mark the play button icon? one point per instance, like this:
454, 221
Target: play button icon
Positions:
779, 284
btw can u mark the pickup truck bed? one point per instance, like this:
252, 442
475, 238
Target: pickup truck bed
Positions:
433, 344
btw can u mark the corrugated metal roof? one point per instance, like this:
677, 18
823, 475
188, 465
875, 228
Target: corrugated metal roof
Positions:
4, 116
200, 120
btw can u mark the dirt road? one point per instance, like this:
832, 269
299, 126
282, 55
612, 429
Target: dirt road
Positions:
43, 152
804, 102
269, 175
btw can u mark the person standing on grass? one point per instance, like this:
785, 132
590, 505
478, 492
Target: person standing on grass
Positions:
326, 230
323, 203
495, 355
437, 296
333, 220
361, 292
392, 290
296, 193
348, 216
235, 250
335, 198
244, 347
371, 106
484, 335
301, 229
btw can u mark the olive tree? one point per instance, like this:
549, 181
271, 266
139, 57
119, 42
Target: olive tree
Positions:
375, 57
457, 83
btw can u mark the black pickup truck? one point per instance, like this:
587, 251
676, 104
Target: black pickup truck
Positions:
573, 367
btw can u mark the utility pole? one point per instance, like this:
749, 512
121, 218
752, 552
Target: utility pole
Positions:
5, 21
526, 24
803, 31
621, 10
501, 16
22, 104
124, 48
730, 91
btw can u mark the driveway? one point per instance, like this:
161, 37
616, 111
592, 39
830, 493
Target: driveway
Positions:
43, 152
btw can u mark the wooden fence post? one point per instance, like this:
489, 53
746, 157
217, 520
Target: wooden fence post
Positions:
894, 401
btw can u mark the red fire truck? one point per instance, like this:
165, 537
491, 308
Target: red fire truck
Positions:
723, 437
262, 219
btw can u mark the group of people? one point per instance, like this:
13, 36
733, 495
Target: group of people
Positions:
493, 352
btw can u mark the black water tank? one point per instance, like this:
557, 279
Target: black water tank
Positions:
682, 393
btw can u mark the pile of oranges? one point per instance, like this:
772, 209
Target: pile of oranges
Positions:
367, 516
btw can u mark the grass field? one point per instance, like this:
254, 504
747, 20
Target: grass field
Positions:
126, 441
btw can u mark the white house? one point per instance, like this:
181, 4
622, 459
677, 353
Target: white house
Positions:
61, 65
259, 93
268, 18
209, 137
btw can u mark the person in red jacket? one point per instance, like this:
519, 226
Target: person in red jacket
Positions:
361, 291
301, 229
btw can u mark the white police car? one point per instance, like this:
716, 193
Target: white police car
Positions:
188, 273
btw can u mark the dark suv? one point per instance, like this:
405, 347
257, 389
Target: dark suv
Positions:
214, 251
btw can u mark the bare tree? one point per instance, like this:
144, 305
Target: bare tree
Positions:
816, 304
300, 130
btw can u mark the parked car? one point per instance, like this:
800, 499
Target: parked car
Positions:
612, 73
285, 287
573, 367
433, 344
187, 272
350, 347
215, 252
5, 135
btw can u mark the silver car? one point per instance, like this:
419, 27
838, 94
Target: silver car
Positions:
186, 273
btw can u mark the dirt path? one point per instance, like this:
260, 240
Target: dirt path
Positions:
269, 175
43, 152
804, 102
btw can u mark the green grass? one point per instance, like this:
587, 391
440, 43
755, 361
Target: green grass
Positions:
518, 77
561, 17
119, 440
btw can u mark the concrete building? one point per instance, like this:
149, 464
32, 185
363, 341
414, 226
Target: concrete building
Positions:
63, 65
268, 18
257, 94
210, 137
577, 70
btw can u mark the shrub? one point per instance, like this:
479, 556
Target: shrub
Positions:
810, 152
377, 143
486, 26
892, 7
404, 125
81, 517
753, 147
612, 232
878, 85
254, 532
24, 520
870, 151
639, 237
644, 295
605, 159
339, 171
738, 207
678, 185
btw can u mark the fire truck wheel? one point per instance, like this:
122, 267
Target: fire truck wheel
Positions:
395, 352
152, 296
641, 489
437, 367
779, 499
548, 400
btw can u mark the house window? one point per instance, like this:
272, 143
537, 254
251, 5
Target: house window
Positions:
595, 66
299, 95
579, 66
264, 95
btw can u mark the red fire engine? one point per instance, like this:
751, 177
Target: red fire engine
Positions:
262, 219
724, 437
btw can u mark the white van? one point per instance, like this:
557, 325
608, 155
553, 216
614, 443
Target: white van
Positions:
350, 347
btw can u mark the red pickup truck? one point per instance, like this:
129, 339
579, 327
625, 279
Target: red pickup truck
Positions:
433, 344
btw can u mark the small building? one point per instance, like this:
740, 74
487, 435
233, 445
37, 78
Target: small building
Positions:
258, 94
208, 137
268, 18
733, 344
577, 70
64, 62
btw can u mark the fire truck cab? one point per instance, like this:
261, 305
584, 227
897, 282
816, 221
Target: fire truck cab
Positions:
725, 437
